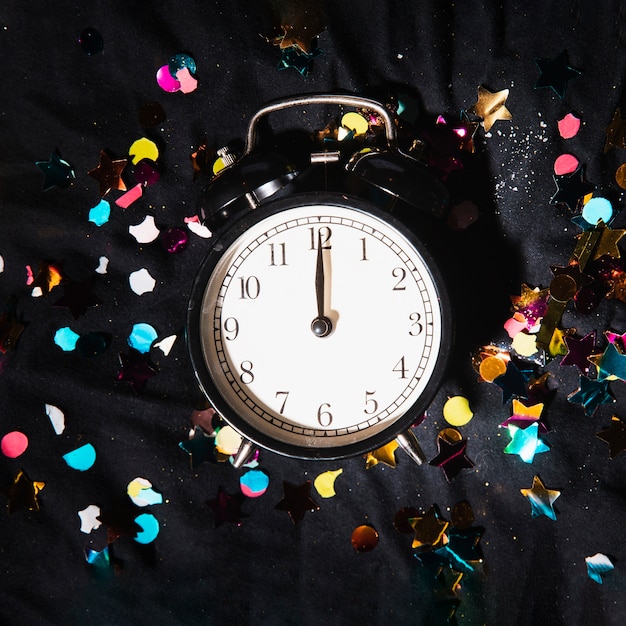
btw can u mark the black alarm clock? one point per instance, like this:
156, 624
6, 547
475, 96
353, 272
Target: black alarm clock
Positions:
318, 325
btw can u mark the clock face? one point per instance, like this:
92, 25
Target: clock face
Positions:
321, 330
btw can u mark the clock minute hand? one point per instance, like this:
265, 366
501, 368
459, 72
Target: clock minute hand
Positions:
321, 325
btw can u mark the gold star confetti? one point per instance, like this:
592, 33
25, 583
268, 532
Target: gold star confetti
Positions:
607, 243
490, 107
541, 499
385, 455
429, 529
615, 132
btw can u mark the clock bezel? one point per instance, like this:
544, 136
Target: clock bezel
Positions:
219, 246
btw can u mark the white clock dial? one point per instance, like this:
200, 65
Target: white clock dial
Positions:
282, 376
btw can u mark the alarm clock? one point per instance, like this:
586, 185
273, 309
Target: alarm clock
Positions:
318, 325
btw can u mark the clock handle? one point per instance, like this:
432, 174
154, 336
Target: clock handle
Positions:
348, 100
408, 442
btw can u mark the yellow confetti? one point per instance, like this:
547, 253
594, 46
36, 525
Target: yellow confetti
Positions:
456, 411
143, 148
525, 344
325, 483
228, 440
356, 122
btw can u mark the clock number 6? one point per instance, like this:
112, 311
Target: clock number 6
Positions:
324, 417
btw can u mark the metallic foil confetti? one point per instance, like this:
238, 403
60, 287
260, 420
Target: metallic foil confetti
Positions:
615, 132
591, 394
615, 436
78, 297
136, 369
166, 81
181, 61
541, 499
385, 454
611, 364
200, 447
57, 172
525, 442
597, 565
364, 538
555, 74
490, 106
428, 530
451, 457
571, 189
22, 493
174, 240
92, 344
296, 500
108, 173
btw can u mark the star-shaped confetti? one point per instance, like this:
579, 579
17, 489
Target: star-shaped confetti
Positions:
490, 107
78, 297
615, 436
23, 493
108, 173
591, 394
555, 74
136, 369
578, 351
531, 303
297, 500
615, 132
541, 499
200, 447
525, 442
385, 454
227, 507
512, 382
523, 416
299, 61
611, 363
451, 457
428, 529
57, 172
607, 242
571, 189
597, 565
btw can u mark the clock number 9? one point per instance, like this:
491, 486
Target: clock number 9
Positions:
324, 417
231, 326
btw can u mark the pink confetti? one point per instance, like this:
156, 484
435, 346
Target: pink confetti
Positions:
514, 325
14, 444
166, 81
568, 126
565, 164
187, 82
129, 197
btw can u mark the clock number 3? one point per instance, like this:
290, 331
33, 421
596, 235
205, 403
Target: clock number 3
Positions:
416, 324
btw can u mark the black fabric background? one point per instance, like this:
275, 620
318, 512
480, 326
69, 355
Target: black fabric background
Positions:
267, 570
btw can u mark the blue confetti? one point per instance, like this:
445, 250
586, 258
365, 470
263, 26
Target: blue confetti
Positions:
142, 337
101, 213
254, 483
597, 209
598, 564
82, 458
149, 528
66, 339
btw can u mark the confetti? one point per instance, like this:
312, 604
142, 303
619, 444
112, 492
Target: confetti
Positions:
597, 209
568, 126
81, 458
565, 164
89, 518
456, 411
187, 83
146, 231
193, 224
364, 538
166, 81
254, 483
56, 417
146, 173
181, 61
615, 132
615, 436
78, 297
103, 264
591, 394
14, 444
100, 213
92, 344
297, 500
385, 454
108, 173
132, 195
428, 529
166, 344
525, 442
555, 74
66, 339
57, 172
141, 281
597, 565
355, 122
143, 148
142, 337
136, 369
578, 351
23, 493
200, 447
98, 558
228, 440
142, 494
174, 240
325, 483
541, 499
490, 106
149, 528
451, 457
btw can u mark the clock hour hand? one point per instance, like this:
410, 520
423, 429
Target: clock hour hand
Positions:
321, 325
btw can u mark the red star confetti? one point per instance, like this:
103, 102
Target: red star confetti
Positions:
297, 500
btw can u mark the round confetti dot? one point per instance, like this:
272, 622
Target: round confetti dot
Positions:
620, 176
82, 458
149, 528
179, 62
456, 411
141, 281
66, 339
254, 483
565, 164
143, 148
568, 126
91, 41
355, 122
491, 367
450, 435
364, 538
174, 240
151, 114
101, 213
14, 444
597, 209
228, 440
142, 337
166, 81
563, 287
92, 344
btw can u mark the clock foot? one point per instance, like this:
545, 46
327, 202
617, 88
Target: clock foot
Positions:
408, 442
243, 454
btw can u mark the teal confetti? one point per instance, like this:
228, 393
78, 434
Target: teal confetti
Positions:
591, 394
98, 558
66, 339
597, 565
254, 483
82, 458
597, 209
142, 337
101, 213
149, 528
525, 442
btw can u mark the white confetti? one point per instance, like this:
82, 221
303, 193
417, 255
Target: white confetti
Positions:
165, 345
1, 264
89, 518
57, 418
103, 264
199, 229
141, 281
140, 491
146, 231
